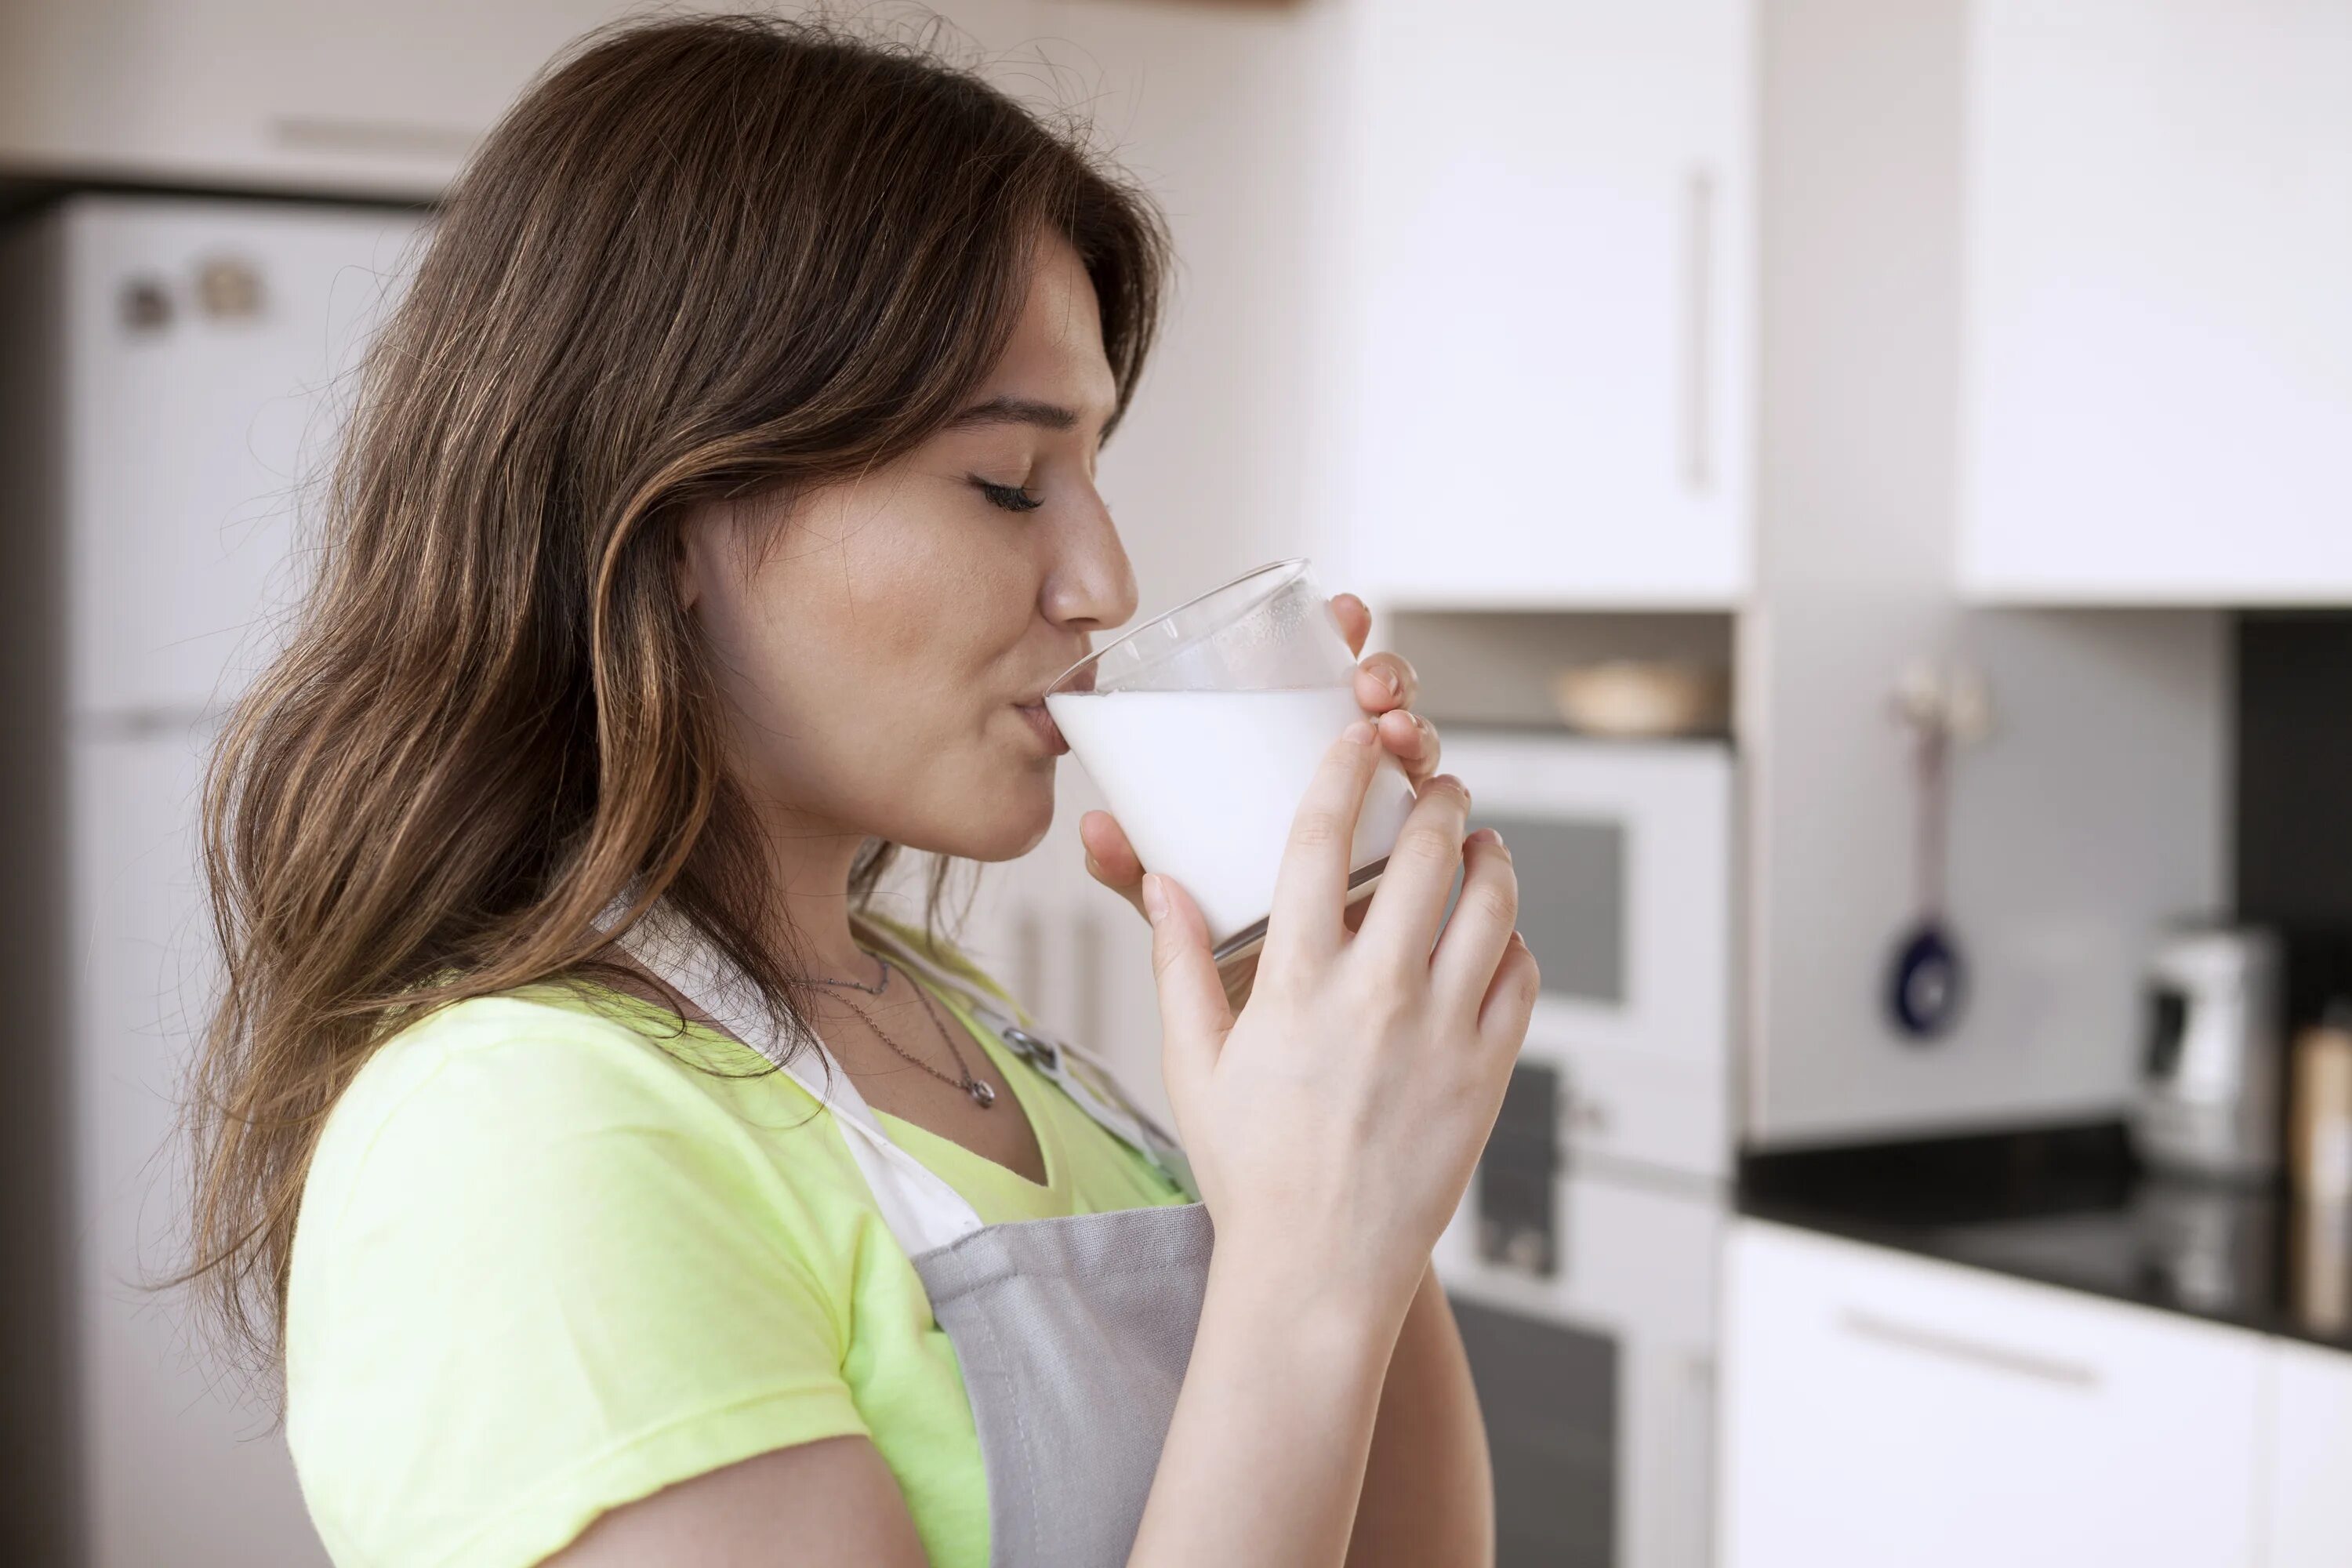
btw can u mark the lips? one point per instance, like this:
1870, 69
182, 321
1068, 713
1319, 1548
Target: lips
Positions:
1033, 708
1040, 723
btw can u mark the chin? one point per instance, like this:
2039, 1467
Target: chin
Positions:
1005, 822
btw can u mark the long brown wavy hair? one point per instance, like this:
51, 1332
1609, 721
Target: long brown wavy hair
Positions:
698, 259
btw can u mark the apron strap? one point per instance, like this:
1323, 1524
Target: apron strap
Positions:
922, 1211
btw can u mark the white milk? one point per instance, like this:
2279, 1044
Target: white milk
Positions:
1206, 784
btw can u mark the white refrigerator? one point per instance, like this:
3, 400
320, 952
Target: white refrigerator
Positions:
173, 372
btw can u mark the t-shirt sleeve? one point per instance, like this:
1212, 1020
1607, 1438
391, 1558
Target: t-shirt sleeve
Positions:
538, 1277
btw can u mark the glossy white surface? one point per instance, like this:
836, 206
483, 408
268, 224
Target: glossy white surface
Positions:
2157, 386
1881, 1409
1547, 263
2309, 1497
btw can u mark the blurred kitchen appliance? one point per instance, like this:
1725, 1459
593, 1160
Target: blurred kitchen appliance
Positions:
2210, 1073
2319, 1115
168, 368
1582, 1263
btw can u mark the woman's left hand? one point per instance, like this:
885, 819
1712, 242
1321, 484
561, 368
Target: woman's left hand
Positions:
1385, 688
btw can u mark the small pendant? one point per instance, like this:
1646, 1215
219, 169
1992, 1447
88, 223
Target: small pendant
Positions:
982, 1094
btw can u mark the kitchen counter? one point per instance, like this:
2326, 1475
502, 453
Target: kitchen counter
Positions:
2071, 1206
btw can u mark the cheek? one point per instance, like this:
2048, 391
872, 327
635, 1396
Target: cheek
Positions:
865, 609
924, 598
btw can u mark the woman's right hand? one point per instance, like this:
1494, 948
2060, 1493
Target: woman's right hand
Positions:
1333, 1125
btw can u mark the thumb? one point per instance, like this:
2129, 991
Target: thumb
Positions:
1193, 1013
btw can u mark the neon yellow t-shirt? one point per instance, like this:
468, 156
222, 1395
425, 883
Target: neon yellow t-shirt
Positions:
545, 1266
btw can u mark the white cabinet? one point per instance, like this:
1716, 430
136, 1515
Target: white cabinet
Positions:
2157, 384
341, 95
2310, 1483
1880, 1408
1549, 235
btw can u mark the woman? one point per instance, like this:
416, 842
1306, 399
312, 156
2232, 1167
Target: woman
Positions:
719, 503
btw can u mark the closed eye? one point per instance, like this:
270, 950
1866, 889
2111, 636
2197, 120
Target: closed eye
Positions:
1011, 498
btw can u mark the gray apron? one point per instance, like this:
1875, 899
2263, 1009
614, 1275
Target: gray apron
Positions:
1072, 1335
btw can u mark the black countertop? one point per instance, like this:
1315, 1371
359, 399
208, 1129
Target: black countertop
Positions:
2071, 1206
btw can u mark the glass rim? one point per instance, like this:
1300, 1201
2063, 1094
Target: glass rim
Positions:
1290, 568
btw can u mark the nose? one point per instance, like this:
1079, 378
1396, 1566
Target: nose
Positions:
1090, 583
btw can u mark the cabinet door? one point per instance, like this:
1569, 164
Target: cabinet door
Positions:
1551, 237
2310, 1483
1880, 1408
2159, 387
333, 95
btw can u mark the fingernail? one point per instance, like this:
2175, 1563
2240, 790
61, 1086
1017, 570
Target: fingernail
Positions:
1155, 898
1484, 835
1389, 678
1360, 732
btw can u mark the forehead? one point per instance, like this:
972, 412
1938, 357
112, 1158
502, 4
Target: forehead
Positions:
1057, 346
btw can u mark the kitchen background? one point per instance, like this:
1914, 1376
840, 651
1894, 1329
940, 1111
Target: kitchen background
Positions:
1869, 488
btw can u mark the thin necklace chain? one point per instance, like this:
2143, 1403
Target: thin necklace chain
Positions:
984, 1093
873, 990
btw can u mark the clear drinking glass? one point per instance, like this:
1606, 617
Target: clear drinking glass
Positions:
1202, 728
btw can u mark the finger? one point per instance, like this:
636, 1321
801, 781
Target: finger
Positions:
1409, 902
1384, 681
1110, 858
1193, 1013
1355, 618
1412, 741
1510, 999
1310, 886
1484, 917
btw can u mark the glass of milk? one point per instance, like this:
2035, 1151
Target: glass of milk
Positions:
1202, 728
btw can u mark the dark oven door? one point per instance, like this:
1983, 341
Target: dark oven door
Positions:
1586, 1303
1549, 1395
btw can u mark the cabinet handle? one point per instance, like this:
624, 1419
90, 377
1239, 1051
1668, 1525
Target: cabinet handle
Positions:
372, 138
1029, 960
1695, 1461
1977, 1352
1699, 257
1092, 1029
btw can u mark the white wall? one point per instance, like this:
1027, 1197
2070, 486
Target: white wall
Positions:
2098, 804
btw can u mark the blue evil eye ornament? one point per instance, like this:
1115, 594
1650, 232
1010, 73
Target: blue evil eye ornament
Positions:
1927, 985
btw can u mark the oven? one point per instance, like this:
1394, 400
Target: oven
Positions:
1582, 1264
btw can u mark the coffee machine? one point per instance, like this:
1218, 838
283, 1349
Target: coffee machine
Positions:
2214, 1055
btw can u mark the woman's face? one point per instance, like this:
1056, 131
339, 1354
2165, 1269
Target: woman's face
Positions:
883, 643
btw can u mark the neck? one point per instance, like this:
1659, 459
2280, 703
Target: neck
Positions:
809, 860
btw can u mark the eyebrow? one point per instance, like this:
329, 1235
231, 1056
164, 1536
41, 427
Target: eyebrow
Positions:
1015, 411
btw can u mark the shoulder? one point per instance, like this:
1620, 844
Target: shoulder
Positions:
540, 1060
532, 1214
501, 1115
